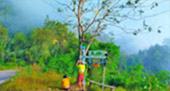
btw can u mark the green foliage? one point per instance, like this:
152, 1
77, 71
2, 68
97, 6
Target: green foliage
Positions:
59, 10
21, 63
55, 49
3, 42
136, 79
94, 88
3, 32
154, 59
119, 89
129, 2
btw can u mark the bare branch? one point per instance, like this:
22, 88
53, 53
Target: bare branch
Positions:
88, 46
82, 5
137, 19
130, 30
81, 2
98, 27
66, 5
94, 19
68, 17
116, 3
140, 5
88, 11
104, 16
124, 28
50, 4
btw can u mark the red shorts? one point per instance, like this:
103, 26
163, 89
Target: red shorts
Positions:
81, 77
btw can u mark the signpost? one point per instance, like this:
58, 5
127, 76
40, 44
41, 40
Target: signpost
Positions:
96, 57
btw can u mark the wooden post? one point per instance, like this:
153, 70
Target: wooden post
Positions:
90, 84
103, 78
100, 84
111, 89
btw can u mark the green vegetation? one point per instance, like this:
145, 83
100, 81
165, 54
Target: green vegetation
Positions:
32, 78
52, 51
155, 59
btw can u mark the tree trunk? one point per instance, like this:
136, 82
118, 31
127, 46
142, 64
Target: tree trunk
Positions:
80, 40
80, 50
88, 46
3, 55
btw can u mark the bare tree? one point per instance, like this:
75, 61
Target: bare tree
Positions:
94, 16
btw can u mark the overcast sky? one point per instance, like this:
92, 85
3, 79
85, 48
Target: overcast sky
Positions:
144, 41
33, 13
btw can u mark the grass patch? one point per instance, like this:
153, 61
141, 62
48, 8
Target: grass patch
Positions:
32, 78
8, 66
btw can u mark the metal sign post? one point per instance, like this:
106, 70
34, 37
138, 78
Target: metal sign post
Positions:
83, 53
103, 77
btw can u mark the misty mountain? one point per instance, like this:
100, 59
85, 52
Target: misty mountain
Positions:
154, 59
23, 15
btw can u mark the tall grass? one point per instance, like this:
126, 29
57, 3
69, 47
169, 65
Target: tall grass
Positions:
33, 79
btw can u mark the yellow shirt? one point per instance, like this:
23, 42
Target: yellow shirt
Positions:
65, 83
81, 68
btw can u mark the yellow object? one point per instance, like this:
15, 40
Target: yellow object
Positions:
81, 68
66, 83
55, 41
95, 12
64, 41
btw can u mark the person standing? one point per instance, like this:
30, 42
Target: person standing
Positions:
81, 70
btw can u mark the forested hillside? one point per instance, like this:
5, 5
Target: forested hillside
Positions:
154, 59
